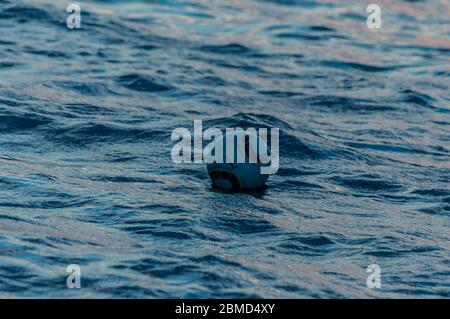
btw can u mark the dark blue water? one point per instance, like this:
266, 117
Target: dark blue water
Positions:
86, 175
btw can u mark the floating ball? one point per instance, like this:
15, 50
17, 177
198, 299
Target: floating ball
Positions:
233, 174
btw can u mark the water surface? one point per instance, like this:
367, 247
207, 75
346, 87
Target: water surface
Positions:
86, 175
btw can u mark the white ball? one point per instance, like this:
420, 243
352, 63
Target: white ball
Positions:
231, 175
